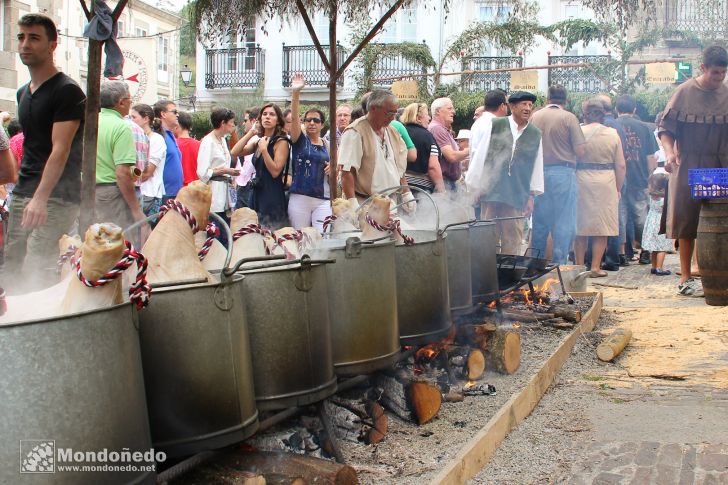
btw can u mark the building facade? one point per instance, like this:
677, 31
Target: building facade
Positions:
263, 63
148, 37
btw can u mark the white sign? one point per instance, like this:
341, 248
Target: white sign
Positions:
140, 68
660, 73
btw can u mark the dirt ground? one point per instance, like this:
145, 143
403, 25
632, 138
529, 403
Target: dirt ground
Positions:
657, 414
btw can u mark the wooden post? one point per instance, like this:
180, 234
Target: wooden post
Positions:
333, 78
91, 124
90, 135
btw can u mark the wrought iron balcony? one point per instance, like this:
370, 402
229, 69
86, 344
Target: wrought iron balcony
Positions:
577, 80
707, 19
234, 68
305, 59
391, 65
487, 81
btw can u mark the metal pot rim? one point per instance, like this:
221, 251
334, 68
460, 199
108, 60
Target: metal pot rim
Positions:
56, 318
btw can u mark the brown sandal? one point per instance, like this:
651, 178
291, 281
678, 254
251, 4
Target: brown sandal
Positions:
598, 274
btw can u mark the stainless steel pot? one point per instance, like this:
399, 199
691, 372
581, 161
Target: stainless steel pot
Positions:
484, 268
76, 380
362, 297
459, 278
197, 365
286, 305
423, 300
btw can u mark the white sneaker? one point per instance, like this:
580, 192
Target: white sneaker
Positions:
691, 287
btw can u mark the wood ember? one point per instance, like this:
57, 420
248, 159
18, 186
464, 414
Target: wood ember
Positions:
277, 467
479, 390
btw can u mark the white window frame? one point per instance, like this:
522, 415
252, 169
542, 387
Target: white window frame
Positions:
395, 29
163, 58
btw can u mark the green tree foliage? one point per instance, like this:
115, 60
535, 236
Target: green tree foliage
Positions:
187, 39
371, 56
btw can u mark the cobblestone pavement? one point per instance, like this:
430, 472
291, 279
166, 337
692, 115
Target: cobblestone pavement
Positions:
652, 462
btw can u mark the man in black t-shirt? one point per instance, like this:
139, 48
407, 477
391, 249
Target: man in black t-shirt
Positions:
639, 153
46, 198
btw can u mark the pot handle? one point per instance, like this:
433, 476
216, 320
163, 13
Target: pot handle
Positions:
470, 223
395, 188
304, 260
230, 271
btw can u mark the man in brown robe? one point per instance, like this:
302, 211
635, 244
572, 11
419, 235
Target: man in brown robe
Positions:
694, 134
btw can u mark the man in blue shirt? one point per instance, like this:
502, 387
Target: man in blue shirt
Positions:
166, 111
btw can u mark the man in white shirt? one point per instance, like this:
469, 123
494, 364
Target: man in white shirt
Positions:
506, 169
372, 154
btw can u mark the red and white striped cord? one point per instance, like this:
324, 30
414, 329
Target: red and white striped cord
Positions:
328, 221
250, 229
67, 256
212, 232
392, 226
139, 291
291, 236
182, 210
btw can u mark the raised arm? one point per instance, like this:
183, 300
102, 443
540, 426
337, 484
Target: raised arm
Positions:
297, 84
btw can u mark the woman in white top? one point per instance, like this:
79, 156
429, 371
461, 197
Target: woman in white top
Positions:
213, 161
152, 187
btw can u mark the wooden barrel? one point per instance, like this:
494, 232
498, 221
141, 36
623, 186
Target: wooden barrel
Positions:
713, 250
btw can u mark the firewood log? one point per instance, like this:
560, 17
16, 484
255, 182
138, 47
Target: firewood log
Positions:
475, 364
504, 352
170, 249
272, 465
475, 335
373, 423
408, 397
567, 313
614, 344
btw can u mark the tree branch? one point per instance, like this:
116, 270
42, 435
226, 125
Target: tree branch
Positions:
312, 33
118, 9
86, 11
372, 33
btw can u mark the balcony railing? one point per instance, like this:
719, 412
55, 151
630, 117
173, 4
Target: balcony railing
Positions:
577, 80
482, 82
305, 59
704, 18
391, 65
234, 68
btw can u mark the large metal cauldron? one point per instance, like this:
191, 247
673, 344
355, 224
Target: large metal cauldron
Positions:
197, 365
459, 268
423, 301
76, 380
484, 267
286, 304
362, 297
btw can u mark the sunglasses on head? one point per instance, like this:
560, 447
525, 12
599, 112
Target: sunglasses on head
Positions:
309, 120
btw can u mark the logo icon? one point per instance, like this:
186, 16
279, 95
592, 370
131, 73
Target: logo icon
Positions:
37, 456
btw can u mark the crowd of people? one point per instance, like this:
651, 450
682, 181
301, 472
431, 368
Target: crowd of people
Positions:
595, 189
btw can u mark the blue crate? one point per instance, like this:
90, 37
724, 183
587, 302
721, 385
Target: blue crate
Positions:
708, 183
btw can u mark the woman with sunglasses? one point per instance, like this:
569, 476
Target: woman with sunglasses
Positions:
213, 162
270, 158
309, 193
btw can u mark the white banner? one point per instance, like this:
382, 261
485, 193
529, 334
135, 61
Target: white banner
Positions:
140, 68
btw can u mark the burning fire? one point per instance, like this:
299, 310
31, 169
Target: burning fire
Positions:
429, 352
469, 384
540, 294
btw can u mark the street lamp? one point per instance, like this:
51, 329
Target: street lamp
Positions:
186, 74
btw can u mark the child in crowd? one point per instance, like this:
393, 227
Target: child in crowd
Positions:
656, 243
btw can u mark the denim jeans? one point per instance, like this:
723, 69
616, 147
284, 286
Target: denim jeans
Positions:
611, 256
554, 212
637, 204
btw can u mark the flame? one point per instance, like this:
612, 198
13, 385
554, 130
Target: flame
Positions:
469, 384
492, 304
516, 325
426, 353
